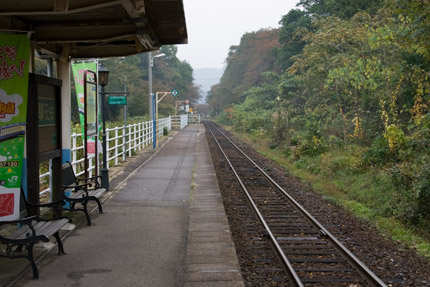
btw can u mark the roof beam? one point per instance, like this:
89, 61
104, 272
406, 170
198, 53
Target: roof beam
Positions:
146, 40
134, 8
61, 5
99, 40
62, 9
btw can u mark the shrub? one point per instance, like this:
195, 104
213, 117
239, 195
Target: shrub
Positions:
224, 118
310, 164
412, 190
378, 153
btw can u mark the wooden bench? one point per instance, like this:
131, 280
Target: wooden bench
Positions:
31, 230
81, 190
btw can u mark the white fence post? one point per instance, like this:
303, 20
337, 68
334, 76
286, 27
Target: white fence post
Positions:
74, 149
135, 141
129, 140
140, 128
107, 149
116, 146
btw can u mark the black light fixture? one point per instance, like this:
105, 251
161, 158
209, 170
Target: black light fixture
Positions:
103, 76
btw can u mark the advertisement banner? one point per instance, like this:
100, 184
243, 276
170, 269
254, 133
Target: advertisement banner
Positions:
14, 63
78, 70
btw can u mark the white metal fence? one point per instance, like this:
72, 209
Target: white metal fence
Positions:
194, 119
179, 122
122, 142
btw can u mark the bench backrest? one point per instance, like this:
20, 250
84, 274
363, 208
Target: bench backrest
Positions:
67, 174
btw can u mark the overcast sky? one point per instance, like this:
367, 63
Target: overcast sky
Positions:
214, 26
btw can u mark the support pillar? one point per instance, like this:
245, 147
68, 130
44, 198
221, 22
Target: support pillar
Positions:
63, 72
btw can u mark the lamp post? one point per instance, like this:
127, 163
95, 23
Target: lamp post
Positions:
150, 65
103, 81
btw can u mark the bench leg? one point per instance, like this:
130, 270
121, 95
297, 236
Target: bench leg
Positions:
84, 209
87, 215
29, 256
32, 262
97, 201
59, 243
100, 205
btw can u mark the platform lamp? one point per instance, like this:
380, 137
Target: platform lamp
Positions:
103, 81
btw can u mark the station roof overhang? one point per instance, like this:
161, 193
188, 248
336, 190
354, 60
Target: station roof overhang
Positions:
96, 28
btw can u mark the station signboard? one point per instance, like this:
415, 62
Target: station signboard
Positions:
117, 100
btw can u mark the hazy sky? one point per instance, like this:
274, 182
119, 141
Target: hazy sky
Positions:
214, 26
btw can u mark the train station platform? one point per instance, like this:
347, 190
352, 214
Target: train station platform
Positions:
163, 225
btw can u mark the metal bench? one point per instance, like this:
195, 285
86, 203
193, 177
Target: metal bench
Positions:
31, 230
82, 190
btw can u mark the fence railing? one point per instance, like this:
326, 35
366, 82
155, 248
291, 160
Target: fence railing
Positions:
179, 122
121, 142
194, 118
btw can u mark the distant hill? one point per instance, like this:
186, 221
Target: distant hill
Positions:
246, 64
206, 78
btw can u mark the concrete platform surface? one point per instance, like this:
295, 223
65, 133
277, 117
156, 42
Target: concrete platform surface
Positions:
163, 225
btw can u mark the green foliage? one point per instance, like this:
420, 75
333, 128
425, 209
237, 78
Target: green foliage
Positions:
291, 43
254, 115
309, 164
339, 164
225, 117
352, 103
340, 8
250, 116
378, 153
245, 65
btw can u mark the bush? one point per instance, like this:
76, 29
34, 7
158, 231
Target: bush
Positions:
223, 118
403, 201
422, 190
312, 146
412, 190
310, 164
378, 153
344, 164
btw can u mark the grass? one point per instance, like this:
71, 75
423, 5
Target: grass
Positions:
365, 193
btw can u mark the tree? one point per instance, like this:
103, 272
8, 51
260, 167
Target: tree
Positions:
343, 9
169, 73
291, 43
245, 65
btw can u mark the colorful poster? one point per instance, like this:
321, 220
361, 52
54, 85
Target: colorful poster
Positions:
14, 63
78, 70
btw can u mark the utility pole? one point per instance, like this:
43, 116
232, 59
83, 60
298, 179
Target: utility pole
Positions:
151, 115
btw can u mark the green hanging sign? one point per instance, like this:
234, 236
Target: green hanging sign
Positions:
117, 100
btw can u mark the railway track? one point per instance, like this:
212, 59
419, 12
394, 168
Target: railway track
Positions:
307, 253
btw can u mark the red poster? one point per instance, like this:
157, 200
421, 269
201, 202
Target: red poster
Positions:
7, 203
91, 147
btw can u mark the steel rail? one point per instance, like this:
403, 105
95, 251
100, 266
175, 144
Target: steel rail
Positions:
360, 266
281, 253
